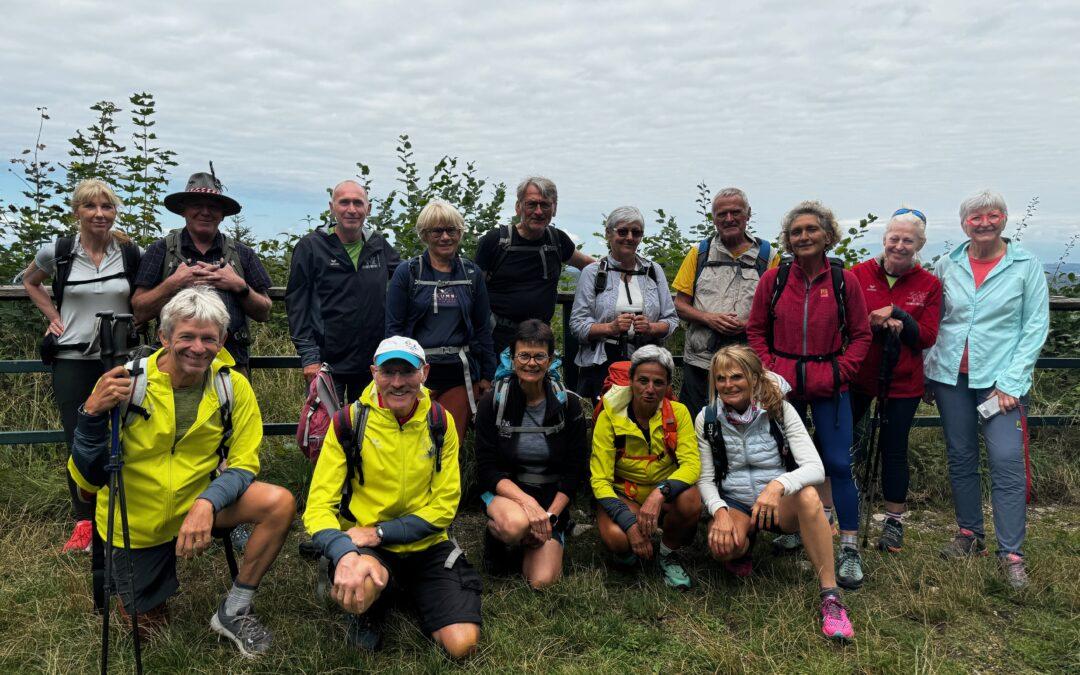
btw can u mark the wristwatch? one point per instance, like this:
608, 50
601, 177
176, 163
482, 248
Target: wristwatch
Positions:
244, 292
552, 518
664, 489
379, 532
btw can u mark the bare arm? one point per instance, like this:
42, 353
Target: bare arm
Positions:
146, 303
257, 306
32, 280
580, 260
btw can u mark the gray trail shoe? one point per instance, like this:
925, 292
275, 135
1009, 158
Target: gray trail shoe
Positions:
849, 571
249, 636
892, 536
787, 543
964, 545
1015, 572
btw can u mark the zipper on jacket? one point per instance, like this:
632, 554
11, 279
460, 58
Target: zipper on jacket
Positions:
805, 314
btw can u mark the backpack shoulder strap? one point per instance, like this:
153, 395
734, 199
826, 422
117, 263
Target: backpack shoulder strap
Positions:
670, 427
777, 433
349, 424
836, 269
231, 253
63, 255
714, 433
137, 370
600, 282
782, 274
172, 254
436, 419
702, 257
223, 385
502, 249
129, 253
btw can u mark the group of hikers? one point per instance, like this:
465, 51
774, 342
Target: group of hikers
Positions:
421, 350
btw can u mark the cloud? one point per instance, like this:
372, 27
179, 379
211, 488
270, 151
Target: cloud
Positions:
863, 106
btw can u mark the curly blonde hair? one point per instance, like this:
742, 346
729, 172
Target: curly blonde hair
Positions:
825, 217
763, 389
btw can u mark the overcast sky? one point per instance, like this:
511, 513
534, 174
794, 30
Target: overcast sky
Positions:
863, 105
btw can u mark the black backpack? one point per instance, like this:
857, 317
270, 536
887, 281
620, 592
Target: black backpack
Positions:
549, 251
349, 429
714, 433
64, 255
836, 271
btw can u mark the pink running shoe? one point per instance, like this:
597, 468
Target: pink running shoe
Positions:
740, 567
80, 537
834, 620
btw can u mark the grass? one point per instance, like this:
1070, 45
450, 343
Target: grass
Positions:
916, 613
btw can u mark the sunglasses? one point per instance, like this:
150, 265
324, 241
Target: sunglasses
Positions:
631, 232
438, 232
918, 214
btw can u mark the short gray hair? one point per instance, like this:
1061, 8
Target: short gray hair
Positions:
198, 303
986, 200
653, 354
825, 216
624, 214
731, 192
544, 185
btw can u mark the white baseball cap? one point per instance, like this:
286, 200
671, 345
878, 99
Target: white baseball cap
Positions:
400, 347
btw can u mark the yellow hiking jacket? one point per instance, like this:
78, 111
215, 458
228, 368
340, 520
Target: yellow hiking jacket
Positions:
402, 491
161, 480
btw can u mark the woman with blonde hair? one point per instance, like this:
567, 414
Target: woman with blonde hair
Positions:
758, 466
91, 272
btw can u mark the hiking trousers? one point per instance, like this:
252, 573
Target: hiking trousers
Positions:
899, 413
1006, 438
832, 435
72, 381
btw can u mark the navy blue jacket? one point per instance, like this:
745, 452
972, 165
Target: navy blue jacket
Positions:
407, 303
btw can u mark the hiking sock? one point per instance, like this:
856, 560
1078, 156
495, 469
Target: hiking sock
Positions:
829, 514
898, 517
849, 540
239, 598
833, 591
664, 550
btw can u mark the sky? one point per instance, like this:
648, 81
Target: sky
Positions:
862, 105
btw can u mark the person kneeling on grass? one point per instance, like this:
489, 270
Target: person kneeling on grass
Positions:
384, 491
644, 465
173, 440
758, 466
530, 458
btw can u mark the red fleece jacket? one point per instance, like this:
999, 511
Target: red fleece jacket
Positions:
810, 304
916, 300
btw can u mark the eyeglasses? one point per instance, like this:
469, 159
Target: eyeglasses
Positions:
992, 218
543, 206
438, 232
629, 232
917, 214
524, 358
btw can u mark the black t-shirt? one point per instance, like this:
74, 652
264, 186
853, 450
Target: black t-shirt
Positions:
518, 290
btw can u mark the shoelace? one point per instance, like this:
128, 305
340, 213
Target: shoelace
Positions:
832, 607
849, 560
250, 629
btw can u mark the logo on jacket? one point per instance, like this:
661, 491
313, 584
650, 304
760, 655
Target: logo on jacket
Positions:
824, 292
334, 263
872, 287
372, 263
917, 298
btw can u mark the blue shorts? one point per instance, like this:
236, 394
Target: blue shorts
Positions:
558, 532
748, 510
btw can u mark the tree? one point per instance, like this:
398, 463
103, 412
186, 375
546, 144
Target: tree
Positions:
145, 174
95, 153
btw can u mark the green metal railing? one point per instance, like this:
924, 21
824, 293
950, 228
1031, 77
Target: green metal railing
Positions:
22, 437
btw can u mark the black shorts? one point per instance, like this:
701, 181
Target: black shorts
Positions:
154, 575
441, 596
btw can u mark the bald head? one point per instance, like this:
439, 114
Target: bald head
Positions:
349, 183
350, 207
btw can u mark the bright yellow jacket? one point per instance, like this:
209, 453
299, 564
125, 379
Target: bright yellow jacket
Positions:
401, 484
633, 475
161, 481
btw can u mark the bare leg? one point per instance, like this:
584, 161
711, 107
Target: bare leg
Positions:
458, 639
802, 513
270, 509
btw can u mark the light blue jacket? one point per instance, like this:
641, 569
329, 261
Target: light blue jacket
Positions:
1004, 323
590, 308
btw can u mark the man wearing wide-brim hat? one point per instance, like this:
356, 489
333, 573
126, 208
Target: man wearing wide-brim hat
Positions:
199, 253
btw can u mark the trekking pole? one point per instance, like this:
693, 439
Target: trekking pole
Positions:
890, 354
113, 333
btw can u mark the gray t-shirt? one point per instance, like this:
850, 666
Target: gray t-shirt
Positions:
532, 453
83, 301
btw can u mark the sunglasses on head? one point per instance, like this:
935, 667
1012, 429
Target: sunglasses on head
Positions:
918, 214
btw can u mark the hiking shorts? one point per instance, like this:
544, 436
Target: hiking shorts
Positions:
748, 510
441, 596
154, 575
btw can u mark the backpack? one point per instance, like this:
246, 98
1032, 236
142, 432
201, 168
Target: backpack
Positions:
836, 271
416, 266
173, 256
222, 385
349, 429
619, 376
502, 385
714, 433
600, 283
760, 264
64, 256
549, 249
319, 407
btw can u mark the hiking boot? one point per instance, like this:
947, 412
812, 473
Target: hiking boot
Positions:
364, 631
239, 536
849, 571
787, 543
672, 572
81, 536
1015, 573
249, 636
308, 550
741, 567
965, 544
834, 619
892, 536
